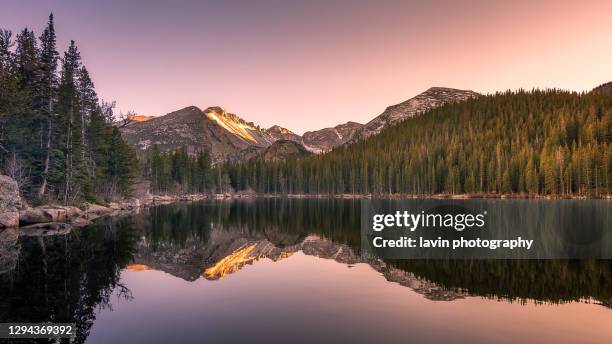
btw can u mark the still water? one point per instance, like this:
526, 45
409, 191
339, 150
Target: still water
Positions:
273, 270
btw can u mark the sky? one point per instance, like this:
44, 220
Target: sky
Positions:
307, 65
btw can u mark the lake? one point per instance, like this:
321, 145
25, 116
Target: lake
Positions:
279, 270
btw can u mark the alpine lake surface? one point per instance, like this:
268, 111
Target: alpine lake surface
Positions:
291, 270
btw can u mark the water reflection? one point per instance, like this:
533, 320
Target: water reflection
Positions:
65, 278
68, 278
222, 237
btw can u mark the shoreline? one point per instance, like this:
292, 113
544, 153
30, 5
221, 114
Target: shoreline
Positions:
59, 219
429, 196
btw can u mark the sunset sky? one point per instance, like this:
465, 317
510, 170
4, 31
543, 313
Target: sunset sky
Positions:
311, 64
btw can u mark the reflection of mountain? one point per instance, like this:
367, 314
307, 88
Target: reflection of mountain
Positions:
187, 239
228, 251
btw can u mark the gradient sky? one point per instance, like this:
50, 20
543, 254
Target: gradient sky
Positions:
312, 64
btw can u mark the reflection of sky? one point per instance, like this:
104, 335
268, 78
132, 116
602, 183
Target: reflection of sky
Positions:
310, 64
308, 298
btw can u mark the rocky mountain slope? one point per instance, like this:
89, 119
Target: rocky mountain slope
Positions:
326, 139
283, 149
432, 98
279, 150
139, 118
228, 137
280, 133
603, 88
222, 134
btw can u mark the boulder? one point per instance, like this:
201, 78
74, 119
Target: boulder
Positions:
46, 214
36, 215
114, 206
72, 212
97, 209
163, 199
131, 203
9, 194
192, 197
79, 221
46, 229
9, 219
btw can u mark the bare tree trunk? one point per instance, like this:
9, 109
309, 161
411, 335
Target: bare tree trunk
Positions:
68, 172
43, 183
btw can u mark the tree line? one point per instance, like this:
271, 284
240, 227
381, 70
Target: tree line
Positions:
539, 142
56, 137
181, 173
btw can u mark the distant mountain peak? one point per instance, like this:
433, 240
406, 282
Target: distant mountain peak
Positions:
432, 98
324, 140
140, 118
603, 88
280, 130
232, 123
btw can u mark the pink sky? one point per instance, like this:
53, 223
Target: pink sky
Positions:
308, 65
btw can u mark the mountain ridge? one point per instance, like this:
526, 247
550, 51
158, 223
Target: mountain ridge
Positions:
229, 137
430, 99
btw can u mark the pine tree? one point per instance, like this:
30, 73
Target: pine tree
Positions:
47, 93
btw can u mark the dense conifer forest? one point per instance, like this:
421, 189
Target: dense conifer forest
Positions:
536, 142
56, 137
179, 172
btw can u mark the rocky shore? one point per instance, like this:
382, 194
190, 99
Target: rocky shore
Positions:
56, 219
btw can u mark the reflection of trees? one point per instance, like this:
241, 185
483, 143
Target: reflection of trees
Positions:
274, 218
286, 222
541, 280
66, 278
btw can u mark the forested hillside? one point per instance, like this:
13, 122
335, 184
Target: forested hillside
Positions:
56, 137
540, 142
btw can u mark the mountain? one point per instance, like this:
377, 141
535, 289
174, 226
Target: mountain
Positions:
283, 149
222, 134
279, 150
326, 139
226, 136
603, 88
139, 118
430, 99
280, 133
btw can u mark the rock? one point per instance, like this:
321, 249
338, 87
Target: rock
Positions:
9, 219
114, 206
146, 200
131, 203
46, 229
163, 199
72, 212
97, 209
32, 216
9, 194
79, 222
247, 193
46, 214
192, 198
